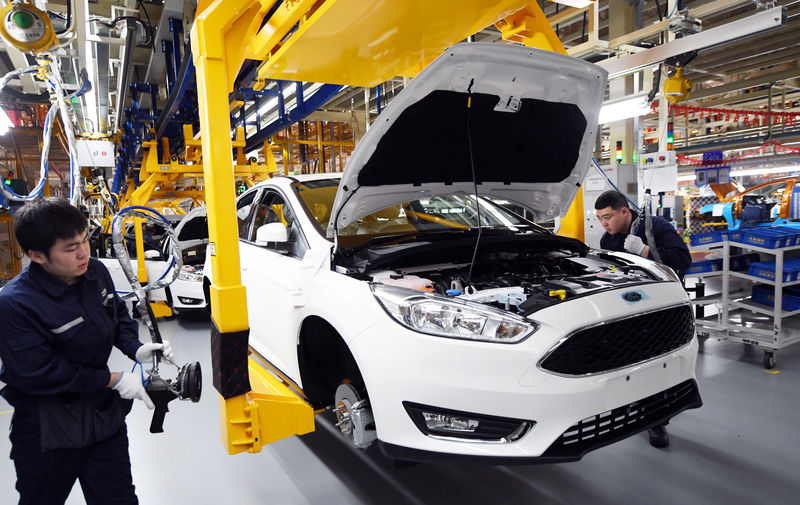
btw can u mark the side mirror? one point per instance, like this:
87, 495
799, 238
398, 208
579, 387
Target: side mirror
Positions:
152, 254
272, 232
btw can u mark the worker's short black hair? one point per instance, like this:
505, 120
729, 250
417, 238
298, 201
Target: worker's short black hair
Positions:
41, 222
611, 198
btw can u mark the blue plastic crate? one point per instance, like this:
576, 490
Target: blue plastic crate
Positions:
766, 270
768, 238
766, 295
793, 235
699, 267
711, 237
736, 235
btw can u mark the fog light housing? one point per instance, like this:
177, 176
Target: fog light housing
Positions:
441, 423
189, 301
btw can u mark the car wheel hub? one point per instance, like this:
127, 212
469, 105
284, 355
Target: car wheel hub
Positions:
354, 417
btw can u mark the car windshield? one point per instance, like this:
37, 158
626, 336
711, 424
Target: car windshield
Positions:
457, 211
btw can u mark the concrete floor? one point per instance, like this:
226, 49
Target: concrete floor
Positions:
741, 447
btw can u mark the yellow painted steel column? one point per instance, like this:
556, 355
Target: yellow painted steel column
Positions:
220, 36
320, 152
227, 295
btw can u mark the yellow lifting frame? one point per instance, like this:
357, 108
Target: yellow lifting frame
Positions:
223, 35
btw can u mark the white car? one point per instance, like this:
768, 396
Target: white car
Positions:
367, 291
186, 292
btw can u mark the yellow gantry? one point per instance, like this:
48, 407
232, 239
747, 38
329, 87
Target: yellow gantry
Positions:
353, 42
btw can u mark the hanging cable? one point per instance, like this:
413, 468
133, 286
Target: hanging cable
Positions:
68, 25
6, 191
474, 180
66, 122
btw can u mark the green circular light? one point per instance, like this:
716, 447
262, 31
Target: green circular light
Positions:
23, 19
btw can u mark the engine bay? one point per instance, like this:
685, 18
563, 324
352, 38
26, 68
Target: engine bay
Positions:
521, 281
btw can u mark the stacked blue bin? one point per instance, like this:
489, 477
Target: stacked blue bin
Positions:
766, 269
766, 295
772, 237
711, 237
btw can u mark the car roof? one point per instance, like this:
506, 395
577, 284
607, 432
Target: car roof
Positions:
282, 180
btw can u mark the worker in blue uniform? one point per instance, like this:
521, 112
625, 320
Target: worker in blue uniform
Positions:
60, 318
616, 217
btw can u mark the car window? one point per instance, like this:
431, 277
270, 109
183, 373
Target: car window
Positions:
272, 208
243, 210
771, 191
439, 213
448, 212
317, 198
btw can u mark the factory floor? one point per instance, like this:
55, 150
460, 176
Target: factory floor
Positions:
741, 447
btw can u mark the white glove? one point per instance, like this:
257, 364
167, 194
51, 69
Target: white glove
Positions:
634, 245
145, 352
130, 387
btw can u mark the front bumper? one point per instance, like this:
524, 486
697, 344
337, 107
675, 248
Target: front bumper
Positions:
399, 365
587, 435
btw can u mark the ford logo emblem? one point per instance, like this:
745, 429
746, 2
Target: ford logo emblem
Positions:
632, 296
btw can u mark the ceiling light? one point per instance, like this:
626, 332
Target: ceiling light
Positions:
766, 171
579, 4
625, 108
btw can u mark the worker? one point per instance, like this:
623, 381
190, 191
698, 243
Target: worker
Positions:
60, 318
616, 217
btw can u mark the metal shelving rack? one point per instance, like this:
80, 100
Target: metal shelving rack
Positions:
743, 320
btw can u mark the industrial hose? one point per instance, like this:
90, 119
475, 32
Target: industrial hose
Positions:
173, 267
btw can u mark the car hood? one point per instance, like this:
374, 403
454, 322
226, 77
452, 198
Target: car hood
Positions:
196, 213
522, 120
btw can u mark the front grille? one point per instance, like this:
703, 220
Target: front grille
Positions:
622, 422
622, 343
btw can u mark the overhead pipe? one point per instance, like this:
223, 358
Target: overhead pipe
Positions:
175, 99
127, 63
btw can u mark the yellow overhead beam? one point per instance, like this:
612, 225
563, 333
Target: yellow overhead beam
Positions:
364, 43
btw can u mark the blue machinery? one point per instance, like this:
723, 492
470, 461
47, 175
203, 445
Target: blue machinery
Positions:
142, 123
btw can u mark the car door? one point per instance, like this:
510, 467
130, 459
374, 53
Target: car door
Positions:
268, 274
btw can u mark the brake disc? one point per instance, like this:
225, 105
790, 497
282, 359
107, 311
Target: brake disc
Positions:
354, 417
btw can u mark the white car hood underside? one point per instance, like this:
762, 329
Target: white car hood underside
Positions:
524, 119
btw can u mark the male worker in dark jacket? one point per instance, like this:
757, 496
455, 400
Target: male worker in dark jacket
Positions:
616, 217
61, 317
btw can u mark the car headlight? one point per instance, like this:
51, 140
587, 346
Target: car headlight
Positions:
453, 318
665, 272
191, 274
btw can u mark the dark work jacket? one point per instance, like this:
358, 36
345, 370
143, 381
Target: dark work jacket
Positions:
671, 246
55, 338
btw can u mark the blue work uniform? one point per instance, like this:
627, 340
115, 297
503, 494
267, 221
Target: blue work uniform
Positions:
671, 247
55, 341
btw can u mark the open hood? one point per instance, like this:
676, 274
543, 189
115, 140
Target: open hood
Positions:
522, 120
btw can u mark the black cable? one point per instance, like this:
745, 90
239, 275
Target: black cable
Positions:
658, 9
656, 83
113, 23
474, 180
69, 19
150, 23
583, 28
